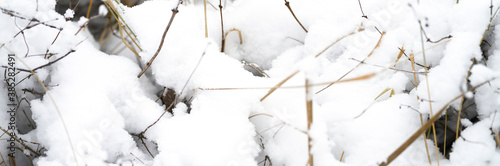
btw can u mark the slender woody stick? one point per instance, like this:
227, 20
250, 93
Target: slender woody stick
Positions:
222, 27
287, 4
174, 12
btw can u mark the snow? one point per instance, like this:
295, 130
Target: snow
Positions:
96, 111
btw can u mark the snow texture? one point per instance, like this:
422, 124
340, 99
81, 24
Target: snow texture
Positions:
96, 111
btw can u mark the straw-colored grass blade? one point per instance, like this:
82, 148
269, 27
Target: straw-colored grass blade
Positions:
278, 85
309, 107
424, 127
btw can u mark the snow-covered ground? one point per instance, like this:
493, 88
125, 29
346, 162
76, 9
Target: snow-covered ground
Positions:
398, 67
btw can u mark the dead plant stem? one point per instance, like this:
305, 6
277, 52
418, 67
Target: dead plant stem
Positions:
287, 4
205, 13
373, 50
309, 107
317, 55
362, 12
222, 27
178, 95
174, 12
428, 91
424, 127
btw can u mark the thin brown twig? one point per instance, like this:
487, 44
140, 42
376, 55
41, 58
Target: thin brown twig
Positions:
85, 24
22, 33
222, 27
309, 108
48, 64
21, 142
287, 4
18, 15
174, 12
362, 12
144, 143
47, 52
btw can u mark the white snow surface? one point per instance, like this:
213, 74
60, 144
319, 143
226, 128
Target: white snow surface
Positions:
96, 111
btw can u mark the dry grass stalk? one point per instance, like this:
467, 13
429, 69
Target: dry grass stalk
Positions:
341, 156
239, 34
222, 28
260, 114
373, 50
383, 92
363, 77
55, 105
287, 4
428, 90
295, 73
3, 160
205, 13
401, 51
425, 140
336, 41
90, 6
497, 139
20, 142
424, 127
278, 85
12, 161
256, 68
121, 22
309, 107
108, 35
225, 36
412, 60
126, 43
76, 5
